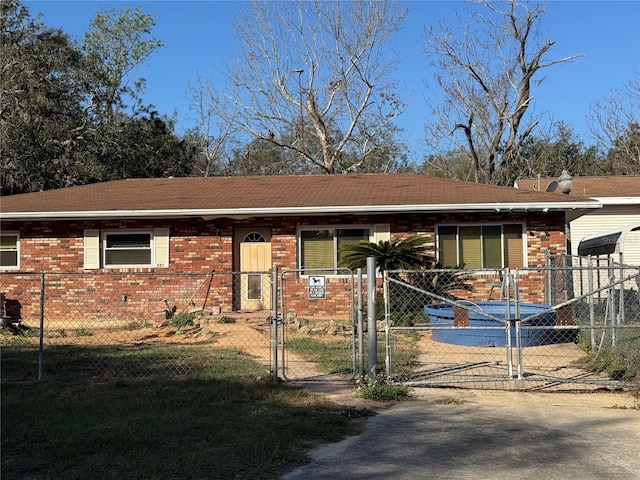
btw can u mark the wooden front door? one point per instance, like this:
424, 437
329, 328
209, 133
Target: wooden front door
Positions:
254, 251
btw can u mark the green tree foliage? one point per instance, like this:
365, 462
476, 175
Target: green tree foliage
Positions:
116, 43
129, 139
545, 155
41, 119
548, 155
142, 147
410, 259
73, 114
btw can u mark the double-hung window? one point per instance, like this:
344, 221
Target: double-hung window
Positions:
9, 251
127, 249
320, 247
481, 246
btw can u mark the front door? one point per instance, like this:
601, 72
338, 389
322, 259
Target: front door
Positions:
254, 249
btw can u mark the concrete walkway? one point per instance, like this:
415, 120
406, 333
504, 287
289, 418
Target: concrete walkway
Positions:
460, 434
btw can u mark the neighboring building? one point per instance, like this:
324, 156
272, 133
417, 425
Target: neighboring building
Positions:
620, 199
146, 229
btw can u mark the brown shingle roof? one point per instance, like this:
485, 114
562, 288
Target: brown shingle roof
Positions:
590, 187
317, 193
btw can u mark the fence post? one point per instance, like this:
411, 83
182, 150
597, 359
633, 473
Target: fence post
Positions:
611, 301
371, 317
508, 323
547, 261
274, 323
387, 324
360, 332
592, 314
518, 323
41, 347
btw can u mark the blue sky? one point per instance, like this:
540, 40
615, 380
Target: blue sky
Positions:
199, 40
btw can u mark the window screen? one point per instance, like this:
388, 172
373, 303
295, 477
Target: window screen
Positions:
127, 249
320, 248
481, 246
8, 250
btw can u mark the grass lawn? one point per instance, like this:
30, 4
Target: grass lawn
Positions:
334, 356
224, 421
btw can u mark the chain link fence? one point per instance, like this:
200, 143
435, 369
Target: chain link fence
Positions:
135, 324
568, 325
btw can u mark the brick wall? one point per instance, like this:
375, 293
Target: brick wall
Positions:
197, 248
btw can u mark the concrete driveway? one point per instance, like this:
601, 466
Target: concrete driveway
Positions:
460, 434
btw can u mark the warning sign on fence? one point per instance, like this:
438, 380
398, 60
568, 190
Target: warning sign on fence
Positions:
317, 287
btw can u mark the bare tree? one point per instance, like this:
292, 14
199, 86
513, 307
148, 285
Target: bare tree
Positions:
615, 123
212, 134
314, 78
486, 72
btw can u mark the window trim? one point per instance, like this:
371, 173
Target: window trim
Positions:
525, 259
372, 233
254, 237
103, 247
11, 233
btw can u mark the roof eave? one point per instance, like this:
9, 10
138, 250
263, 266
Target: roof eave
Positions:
618, 200
290, 211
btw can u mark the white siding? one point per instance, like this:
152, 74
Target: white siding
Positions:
609, 218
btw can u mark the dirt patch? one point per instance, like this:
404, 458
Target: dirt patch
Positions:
601, 398
553, 367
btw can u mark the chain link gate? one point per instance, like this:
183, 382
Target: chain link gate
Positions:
465, 338
316, 327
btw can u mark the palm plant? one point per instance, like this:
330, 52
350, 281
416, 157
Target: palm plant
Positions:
409, 258
408, 253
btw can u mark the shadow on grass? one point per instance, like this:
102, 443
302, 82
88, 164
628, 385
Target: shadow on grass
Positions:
222, 420
107, 362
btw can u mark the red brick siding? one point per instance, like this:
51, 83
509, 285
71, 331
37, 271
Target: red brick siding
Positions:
198, 247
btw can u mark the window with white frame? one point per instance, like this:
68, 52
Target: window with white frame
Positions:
481, 246
9, 250
320, 247
127, 249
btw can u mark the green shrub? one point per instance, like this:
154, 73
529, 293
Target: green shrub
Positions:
183, 319
380, 390
621, 361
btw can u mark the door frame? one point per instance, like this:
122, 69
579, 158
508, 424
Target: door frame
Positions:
241, 285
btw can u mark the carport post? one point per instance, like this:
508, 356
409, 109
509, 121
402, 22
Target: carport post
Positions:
371, 317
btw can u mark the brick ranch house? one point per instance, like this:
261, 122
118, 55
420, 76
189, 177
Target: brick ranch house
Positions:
146, 233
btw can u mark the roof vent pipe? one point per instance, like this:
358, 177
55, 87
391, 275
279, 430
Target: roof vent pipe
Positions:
565, 180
